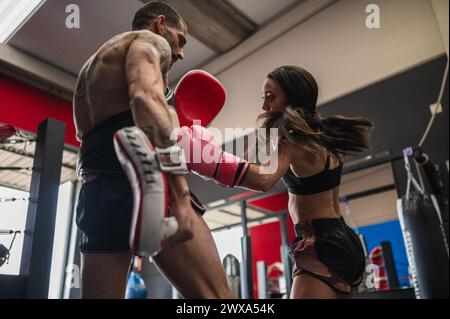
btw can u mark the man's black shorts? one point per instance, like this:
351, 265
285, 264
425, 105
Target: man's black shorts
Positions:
104, 214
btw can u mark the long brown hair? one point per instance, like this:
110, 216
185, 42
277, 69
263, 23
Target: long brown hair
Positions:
300, 123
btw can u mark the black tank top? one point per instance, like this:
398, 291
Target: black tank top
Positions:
324, 181
97, 154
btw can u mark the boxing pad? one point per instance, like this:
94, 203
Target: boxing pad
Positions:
145, 166
198, 96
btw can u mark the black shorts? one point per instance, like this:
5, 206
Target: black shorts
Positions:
104, 211
104, 214
330, 251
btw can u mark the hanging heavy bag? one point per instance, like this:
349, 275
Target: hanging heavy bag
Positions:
425, 243
232, 271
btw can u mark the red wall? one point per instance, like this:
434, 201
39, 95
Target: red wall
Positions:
274, 203
266, 243
266, 239
25, 106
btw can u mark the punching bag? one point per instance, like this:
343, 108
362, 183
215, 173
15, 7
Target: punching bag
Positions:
232, 271
426, 246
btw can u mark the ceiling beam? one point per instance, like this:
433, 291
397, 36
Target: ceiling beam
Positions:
30, 155
30, 70
216, 23
230, 213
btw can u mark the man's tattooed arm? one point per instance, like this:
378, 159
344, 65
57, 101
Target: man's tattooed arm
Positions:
147, 61
85, 75
159, 136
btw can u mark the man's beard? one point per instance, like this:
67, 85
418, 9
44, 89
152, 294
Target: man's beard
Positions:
169, 39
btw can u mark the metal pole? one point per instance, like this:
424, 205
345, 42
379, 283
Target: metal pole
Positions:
375, 160
41, 214
285, 253
389, 265
370, 192
259, 219
228, 202
247, 273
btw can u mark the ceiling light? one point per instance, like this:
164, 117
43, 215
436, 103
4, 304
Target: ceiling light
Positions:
14, 13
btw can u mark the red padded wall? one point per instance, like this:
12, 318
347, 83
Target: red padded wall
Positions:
25, 106
266, 239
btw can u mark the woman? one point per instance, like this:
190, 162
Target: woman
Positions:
329, 258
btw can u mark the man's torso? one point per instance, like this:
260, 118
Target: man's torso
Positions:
102, 89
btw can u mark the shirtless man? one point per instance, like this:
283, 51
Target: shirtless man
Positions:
123, 85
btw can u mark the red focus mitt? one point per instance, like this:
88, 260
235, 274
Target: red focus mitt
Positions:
199, 96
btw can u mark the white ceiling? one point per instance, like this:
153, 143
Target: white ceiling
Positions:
46, 37
260, 11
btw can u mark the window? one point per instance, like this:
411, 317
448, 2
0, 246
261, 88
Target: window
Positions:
13, 216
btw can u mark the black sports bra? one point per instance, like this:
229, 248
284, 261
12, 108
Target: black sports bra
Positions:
324, 181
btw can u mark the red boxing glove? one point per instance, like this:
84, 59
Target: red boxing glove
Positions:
207, 159
199, 96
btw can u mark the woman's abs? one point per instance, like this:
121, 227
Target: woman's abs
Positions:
317, 206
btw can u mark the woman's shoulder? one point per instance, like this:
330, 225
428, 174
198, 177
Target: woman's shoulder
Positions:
313, 158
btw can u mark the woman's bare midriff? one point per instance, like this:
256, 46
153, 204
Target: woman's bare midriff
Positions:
318, 206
